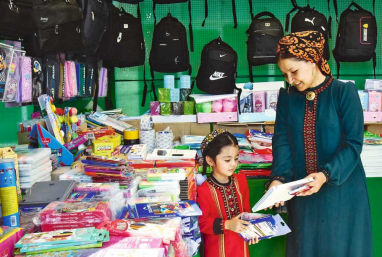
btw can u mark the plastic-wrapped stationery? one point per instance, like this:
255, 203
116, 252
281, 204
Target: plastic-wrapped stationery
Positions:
97, 187
71, 215
154, 228
12, 85
55, 237
98, 161
264, 226
162, 210
31, 156
6, 55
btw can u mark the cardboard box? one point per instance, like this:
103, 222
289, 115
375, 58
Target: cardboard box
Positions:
178, 129
374, 128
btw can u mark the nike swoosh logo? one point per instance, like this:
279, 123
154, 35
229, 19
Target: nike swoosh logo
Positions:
222, 55
216, 78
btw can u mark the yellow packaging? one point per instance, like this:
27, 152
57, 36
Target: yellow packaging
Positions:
8, 153
102, 146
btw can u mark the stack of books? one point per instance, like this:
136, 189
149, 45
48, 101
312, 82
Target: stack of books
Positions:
62, 240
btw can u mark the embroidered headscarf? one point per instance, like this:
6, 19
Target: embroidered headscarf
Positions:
210, 137
306, 45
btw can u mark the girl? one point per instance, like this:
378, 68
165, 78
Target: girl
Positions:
223, 197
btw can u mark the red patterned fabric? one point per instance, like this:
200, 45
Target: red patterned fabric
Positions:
310, 129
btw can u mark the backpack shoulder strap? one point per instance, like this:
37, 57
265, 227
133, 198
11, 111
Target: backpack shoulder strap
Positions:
250, 8
190, 28
234, 14
205, 12
288, 17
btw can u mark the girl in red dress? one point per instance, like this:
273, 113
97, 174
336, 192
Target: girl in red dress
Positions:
223, 197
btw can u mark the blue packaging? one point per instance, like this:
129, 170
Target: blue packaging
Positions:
169, 81
185, 81
246, 103
8, 193
364, 97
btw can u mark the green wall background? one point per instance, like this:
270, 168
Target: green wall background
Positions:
127, 91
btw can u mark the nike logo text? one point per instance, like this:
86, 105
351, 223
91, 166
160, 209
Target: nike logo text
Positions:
217, 75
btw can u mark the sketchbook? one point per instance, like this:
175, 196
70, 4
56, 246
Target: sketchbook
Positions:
279, 193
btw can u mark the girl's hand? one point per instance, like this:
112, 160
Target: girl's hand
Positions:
253, 241
236, 224
275, 183
319, 180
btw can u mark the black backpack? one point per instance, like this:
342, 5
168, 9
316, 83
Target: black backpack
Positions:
169, 50
16, 21
122, 44
309, 19
356, 37
263, 38
95, 13
217, 71
155, 2
58, 26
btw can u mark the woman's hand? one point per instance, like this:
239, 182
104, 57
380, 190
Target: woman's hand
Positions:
253, 241
236, 224
275, 183
315, 186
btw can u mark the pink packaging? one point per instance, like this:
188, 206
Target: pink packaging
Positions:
375, 101
8, 241
258, 101
65, 215
271, 102
216, 117
26, 79
372, 116
155, 108
229, 105
118, 242
70, 89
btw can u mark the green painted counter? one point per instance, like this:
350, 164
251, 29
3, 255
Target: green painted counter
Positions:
276, 247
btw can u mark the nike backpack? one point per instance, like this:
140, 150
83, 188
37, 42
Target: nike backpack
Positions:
356, 37
308, 19
263, 37
217, 71
155, 2
169, 50
122, 44
95, 13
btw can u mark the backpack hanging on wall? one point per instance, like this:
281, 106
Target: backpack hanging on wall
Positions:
263, 37
155, 2
58, 26
309, 19
356, 37
122, 44
95, 13
16, 21
217, 71
233, 13
169, 50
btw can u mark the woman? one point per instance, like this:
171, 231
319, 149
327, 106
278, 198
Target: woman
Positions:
319, 134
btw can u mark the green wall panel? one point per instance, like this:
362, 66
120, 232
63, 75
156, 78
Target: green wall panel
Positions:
220, 22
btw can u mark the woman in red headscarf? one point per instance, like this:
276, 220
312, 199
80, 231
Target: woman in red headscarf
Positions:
319, 134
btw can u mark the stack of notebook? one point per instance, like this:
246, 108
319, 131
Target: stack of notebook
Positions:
34, 165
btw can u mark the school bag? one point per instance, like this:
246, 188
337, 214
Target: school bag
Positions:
155, 2
122, 44
58, 26
217, 71
356, 37
37, 79
263, 37
16, 20
52, 76
169, 50
25, 86
95, 14
308, 19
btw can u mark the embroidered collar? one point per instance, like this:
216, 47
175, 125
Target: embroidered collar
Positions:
216, 182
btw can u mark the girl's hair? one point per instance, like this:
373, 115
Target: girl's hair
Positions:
289, 56
214, 148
